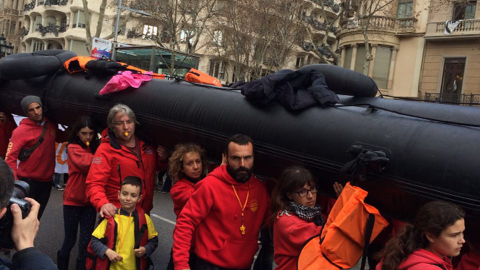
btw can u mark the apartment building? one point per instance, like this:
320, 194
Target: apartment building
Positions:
396, 39
33, 25
452, 53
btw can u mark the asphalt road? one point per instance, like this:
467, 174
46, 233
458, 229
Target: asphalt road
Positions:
50, 236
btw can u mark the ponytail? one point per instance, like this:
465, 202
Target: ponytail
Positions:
433, 217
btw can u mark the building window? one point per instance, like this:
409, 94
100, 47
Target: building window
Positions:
37, 46
381, 67
50, 20
149, 31
299, 62
404, 9
184, 34
79, 19
381, 64
217, 37
37, 23
464, 10
216, 69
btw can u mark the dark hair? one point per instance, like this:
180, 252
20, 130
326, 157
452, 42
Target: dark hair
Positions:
291, 179
239, 139
175, 162
82, 122
7, 183
134, 181
433, 218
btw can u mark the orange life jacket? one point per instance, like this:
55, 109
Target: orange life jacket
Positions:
342, 240
197, 76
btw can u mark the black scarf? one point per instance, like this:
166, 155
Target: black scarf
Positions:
310, 214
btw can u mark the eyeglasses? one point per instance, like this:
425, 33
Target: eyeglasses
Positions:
303, 192
121, 123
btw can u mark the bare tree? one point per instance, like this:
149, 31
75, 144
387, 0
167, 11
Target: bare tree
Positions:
258, 36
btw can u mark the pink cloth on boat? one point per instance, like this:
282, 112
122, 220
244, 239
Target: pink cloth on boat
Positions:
125, 79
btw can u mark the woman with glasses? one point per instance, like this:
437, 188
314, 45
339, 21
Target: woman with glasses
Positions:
297, 217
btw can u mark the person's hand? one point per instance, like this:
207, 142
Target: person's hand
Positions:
139, 252
113, 256
338, 188
108, 209
224, 159
25, 230
162, 153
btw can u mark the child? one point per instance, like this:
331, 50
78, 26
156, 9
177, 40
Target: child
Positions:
123, 239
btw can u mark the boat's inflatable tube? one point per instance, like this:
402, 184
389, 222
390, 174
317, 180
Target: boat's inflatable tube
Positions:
345, 81
30, 65
404, 160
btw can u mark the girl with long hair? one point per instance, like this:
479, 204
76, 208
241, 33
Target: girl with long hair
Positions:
187, 166
296, 215
436, 235
77, 209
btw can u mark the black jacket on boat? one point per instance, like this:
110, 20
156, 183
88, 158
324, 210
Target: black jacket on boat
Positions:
295, 90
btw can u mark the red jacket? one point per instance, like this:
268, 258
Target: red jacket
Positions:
469, 261
79, 160
289, 235
180, 193
6, 130
113, 162
214, 214
40, 165
422, 260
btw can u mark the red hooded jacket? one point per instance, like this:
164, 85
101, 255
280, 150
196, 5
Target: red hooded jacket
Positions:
180, 193
79, 160
423, 260
6, 130
214, 214
289, 235
40, 166
113, 162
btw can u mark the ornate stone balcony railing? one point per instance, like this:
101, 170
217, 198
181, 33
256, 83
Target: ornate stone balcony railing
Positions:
381, 23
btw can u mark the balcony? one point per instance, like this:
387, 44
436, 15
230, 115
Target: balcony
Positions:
56, 2
29, 6
459, 99
465, 29
51, 28
10, 11
398, 26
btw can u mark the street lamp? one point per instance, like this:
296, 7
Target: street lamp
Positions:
120, 7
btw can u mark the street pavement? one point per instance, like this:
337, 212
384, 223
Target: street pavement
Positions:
50, 235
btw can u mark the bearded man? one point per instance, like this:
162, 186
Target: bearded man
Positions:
224, 214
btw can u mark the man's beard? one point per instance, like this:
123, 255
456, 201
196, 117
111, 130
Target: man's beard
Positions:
241, 174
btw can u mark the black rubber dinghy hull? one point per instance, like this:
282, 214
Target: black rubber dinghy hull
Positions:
428, 160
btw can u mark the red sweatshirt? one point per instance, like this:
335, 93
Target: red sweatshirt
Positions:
469, 261
79, 160
422, 260
40, 166
214, 214
289, 235
6, 130
180, 193
113, 162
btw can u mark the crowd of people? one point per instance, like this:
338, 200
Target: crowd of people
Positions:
221, 209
